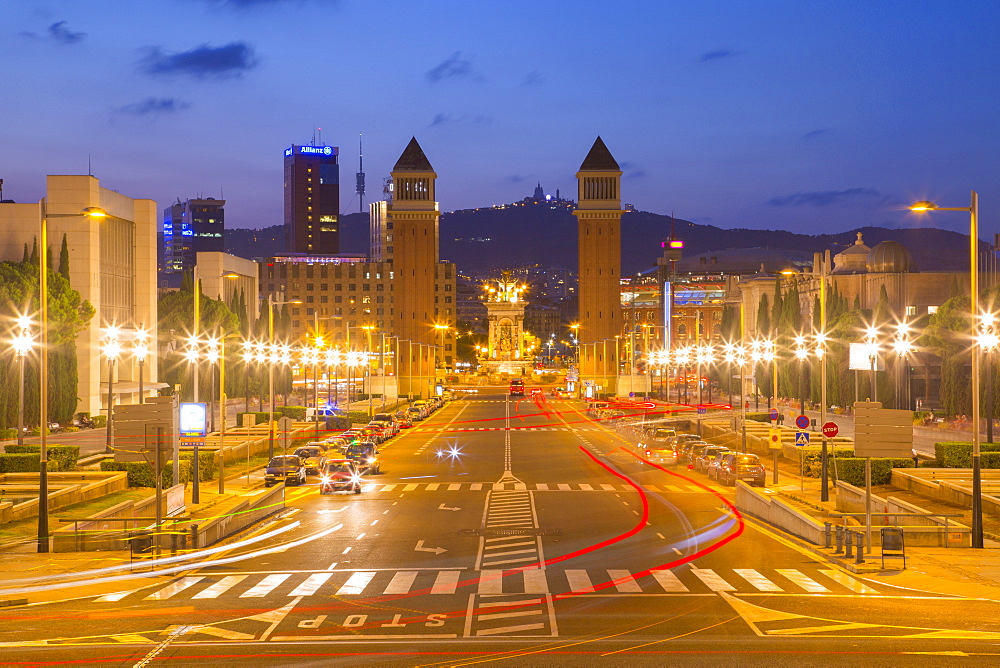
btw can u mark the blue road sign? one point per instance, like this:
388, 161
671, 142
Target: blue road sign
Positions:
702, 410
802, 438
774, 414
802, 422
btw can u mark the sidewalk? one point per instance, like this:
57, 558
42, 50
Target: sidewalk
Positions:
953, 571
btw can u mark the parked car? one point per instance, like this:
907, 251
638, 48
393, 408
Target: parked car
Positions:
709, 453
284, 468
402, 420
365, 456
312, 458
734, 466
339, 475
712, 467
386, 420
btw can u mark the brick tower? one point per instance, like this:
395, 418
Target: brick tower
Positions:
599, 215
414, 214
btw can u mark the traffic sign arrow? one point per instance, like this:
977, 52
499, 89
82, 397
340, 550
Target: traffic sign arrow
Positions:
420, 548
444, 507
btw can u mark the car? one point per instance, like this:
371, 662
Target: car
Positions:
659, 455
312, 457
365, 454
535, 392
339, 475
415, 413
734, 466
712, 468
402, 420
517, 387
383, 432
595, 408
708, 453
386, 420
683, 439
690, 450
284, 468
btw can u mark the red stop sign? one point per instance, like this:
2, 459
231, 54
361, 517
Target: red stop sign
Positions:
830, 429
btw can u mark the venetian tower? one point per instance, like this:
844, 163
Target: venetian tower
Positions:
599, 214
414, 214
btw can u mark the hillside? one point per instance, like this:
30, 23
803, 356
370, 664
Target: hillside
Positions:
489, 239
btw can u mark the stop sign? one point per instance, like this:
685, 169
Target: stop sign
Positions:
830, 429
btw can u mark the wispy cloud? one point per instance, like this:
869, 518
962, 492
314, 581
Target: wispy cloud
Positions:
829, 197
154, 106
447, 119
202, 62
57, 32
250, 4
533, 78
631, 170
516, 178
456, 66
815, 133
718, 54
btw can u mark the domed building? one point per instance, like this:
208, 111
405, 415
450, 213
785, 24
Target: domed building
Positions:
888, 257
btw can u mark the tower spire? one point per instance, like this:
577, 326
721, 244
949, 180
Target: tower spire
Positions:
360, 187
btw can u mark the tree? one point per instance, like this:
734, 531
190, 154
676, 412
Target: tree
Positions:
64, 259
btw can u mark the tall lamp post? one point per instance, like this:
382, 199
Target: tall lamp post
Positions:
872, 348
111, 349
988, 341
22, 344
977, 482
274, 356
902, 346
140, 350
801, 354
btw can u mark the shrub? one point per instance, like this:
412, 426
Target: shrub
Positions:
24, 462
759, 417
364, 397
70, 429
8, 434
358, 417
100, 421
260, 417
294, 412
548, 378
140, 474
65, 456
852, 469
958, 454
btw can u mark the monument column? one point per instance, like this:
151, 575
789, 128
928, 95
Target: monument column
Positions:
598, 214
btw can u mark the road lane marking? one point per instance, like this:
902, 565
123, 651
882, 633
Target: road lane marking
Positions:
115, 597
579, 581
801, 580
535, 581
607, 488
401, 582
712, 579
221, 587
356, 583
507, 615
669, 581
410, 487
624, 582
265, 586
509, 629
454, 486
490, 582
171, 589
756, 579
445, 582
347, 549
508, 561
848, 581
495, 547
311, 584
359, 536
541, 487
388, 488
495, 540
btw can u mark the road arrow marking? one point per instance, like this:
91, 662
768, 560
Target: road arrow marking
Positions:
420, 548
444, 507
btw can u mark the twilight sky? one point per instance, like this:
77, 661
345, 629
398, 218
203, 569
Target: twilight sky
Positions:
802, 115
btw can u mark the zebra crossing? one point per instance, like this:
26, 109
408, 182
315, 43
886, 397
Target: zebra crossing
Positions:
684, 580
522, 486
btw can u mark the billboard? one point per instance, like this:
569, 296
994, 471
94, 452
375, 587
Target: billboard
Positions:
193, 420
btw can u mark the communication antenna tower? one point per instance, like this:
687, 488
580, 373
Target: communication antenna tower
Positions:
360, 188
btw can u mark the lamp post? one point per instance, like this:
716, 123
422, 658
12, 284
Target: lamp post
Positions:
801, 354
902, 346
977, 487
140, 349
22, 343
111, 349
988, 342
274, 356
441, 329
872, 348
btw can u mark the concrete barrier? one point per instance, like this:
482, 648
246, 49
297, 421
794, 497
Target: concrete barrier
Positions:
925, 531
936, 484
66, 488
767, 506
245, 514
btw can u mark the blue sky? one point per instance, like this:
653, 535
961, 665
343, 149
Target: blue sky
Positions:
801, 115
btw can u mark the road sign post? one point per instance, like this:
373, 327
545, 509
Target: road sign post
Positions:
801, 440
830, 429
774, 442
774, 415
879, 432
802, 422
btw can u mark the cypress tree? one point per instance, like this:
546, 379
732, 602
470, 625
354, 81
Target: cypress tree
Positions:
34, 252
64, 259
26, 258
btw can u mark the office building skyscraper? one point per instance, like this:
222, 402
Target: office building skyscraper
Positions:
190, 227
312, 199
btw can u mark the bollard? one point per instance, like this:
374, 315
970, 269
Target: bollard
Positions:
826, 534
173, 544
839, 536
849, 545
194, 536
861, 549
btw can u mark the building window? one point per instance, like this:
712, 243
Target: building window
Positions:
932, 309
337, 299
309, 299
324, 286
911, 310
379, 287
323, 299
338, 286
352, 287
309, 287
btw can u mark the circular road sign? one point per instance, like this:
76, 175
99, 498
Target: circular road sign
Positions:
830, 429
774, 413
802, 422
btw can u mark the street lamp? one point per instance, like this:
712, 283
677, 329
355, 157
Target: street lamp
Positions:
902, 346
988, 342
43, 364
872, 349
274, 356
22, 344
111, 349
441, 329
140, 349
801, 354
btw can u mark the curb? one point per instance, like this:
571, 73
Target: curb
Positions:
866, 568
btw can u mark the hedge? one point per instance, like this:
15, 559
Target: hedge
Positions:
8, 434
260, 417
25, 462
140, 474
958, 454
363, 396
64, 455
294, 412
100, 421
759, 417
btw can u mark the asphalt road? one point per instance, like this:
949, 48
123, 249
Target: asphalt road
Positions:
515, 533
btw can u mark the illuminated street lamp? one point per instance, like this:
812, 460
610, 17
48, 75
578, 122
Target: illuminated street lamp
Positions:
140, 350
705, 357
902, 346
22, 344
977, 484
988, 341
682, 357
872, 349
111, 349
441, 329
801, 354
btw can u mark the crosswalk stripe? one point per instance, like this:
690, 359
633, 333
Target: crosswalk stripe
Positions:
849, 582
445, 582
585, 487
265, 586
356, 583
401, 582
454, 486
542, 486
221, 587
579, 581
669, 581
624, 582
673, 488
510, 561
476, 486
535, 582
508, 615
756, 579
115, 597
493, 547
563, 487
410, 487
608, 488
431, 487
801, 580
712, 579
369, 487
388, 488
171, 589
651, 488
311, 584
491, 582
